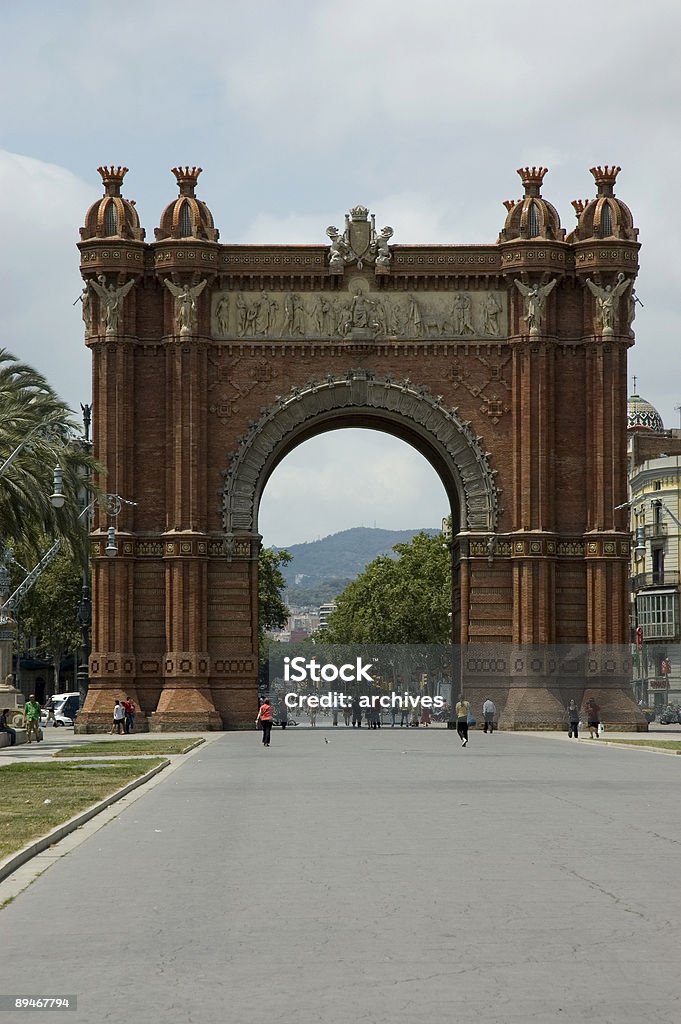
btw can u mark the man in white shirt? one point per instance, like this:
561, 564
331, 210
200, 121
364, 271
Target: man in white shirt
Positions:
488, 712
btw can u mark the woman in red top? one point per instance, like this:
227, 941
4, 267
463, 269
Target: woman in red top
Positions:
265, 719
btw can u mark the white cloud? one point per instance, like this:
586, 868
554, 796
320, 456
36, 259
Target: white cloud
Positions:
350, 478
41, 207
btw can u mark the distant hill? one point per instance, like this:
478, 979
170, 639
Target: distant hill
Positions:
321, 569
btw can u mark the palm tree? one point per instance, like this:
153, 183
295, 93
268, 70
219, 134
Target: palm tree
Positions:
38, 429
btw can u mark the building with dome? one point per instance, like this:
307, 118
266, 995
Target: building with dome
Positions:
655, 508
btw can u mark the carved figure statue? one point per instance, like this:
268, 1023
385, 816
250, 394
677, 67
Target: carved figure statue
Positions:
339, 248
222, 314
265, 315
241, 315
535, 301
110, 302
299, 316
607, 300
86, 299
414, 318
323, 317
381, 248
398, 319
631, 307
490, 314
186, 307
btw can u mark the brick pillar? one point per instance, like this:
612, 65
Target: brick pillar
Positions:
112, 667
185, 701
533, 698
233, 631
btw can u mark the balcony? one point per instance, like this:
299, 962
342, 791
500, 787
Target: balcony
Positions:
655, 531
654, 579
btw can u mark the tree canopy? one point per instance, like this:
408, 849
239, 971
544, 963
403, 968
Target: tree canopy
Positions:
37, 433
406, 600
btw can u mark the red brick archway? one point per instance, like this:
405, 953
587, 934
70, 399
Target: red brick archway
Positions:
504, 364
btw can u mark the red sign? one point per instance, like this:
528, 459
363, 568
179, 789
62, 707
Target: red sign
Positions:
639, 638
657, 684
665, 666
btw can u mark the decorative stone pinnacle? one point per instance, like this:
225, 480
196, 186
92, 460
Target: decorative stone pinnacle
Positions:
605, 178
532, 178
187, 178
112, 179
359, 212
510, 203
580, 206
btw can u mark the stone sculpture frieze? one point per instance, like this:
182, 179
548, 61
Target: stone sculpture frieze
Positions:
359, 313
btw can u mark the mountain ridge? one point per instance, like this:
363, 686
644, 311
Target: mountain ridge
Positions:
327, 565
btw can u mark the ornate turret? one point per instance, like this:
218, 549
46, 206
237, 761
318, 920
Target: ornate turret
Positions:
532, 216
605, 216
112, 216
187, 216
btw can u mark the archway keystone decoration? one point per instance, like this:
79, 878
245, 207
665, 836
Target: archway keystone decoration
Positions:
503, 363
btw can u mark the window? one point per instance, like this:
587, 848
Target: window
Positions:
185, 221
111, 219
658, 615
532, 221
606, 220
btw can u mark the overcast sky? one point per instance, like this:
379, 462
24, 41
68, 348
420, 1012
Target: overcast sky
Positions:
297, 111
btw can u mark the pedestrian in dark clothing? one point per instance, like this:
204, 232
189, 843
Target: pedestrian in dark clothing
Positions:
356, 713
573, 720
6, 727
283, 714
593, 718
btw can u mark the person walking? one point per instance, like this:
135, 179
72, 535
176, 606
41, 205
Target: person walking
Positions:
265, 719
489, 711
573, 720
118, 724
356, 713
32, 719
130, 711
283, 714
463, 710
593, 718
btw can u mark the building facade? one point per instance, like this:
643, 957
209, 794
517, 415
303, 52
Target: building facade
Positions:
655, 503
503, 363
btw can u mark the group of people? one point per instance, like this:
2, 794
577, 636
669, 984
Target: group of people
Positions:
31, 722
593, 719
123, 717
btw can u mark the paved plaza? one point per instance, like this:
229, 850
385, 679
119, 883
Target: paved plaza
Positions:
379, 877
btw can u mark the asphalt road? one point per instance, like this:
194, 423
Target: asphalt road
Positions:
381, 877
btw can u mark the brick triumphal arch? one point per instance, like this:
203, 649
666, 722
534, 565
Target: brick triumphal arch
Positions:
503, 363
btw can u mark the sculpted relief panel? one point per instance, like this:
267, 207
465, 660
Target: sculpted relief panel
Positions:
359, 313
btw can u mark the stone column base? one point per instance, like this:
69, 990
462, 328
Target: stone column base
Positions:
184, 707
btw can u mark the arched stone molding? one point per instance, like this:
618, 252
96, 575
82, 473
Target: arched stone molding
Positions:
395, 406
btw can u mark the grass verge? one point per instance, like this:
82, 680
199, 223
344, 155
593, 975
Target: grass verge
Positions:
71, 787
654, 744
113, 748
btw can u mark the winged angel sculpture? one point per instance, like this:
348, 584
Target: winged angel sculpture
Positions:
186, 307
535, 300
110, 302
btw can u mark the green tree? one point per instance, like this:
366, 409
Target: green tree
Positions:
34, 420
49, 612
406, 600
271, 585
